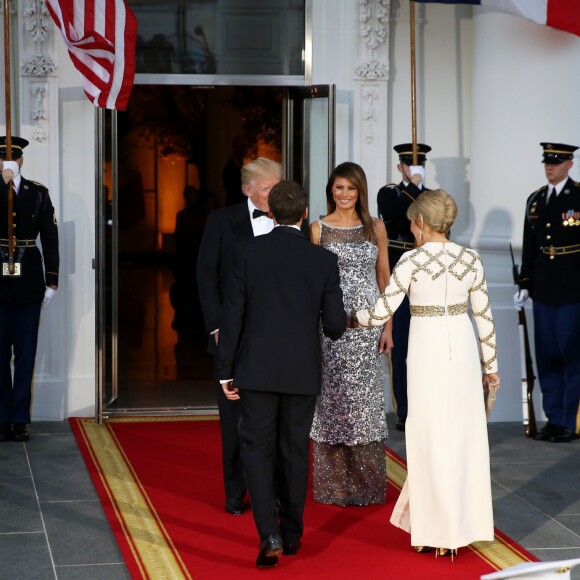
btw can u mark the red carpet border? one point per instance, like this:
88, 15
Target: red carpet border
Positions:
159, 481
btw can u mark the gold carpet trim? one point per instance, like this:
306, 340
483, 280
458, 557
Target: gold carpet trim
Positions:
498, 554
152, 548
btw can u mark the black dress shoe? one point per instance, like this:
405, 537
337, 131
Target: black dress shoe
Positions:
291, 548
546, 432
235, 507
20, 432
563, 436
400, 424
5, 432
270, 548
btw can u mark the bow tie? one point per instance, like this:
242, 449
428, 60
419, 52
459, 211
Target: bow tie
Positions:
259, 213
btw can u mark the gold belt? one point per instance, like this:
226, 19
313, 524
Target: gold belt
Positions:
398, 245
452, 310
555, 250
19, 243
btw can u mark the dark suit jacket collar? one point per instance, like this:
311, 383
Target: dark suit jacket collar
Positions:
281, 230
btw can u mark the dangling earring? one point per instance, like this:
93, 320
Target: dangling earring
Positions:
420, 234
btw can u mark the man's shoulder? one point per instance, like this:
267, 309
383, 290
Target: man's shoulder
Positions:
34, 184
537, 192
390, 188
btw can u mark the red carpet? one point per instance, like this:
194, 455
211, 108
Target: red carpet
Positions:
159, 480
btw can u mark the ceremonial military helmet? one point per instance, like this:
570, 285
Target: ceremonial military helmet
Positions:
556, 153
18, 144
405, 151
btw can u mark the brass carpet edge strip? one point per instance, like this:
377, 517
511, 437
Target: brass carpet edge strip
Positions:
152, 511
498, 553
83, 423
139, 525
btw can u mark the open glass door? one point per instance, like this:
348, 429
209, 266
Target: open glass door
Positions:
309, 155
151, 351
106, 261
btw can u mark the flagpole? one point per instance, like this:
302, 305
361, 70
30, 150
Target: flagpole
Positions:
413, 82
8, 136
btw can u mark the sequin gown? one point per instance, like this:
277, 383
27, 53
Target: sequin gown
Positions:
446, 499
349, 427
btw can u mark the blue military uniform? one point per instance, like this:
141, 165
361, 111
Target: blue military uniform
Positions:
551, 273
393, 201
21, 296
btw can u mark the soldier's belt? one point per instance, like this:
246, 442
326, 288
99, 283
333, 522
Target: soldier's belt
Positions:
19, 243
398, 245
557, 250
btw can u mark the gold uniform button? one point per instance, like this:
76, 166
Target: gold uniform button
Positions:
548, 225
548, 237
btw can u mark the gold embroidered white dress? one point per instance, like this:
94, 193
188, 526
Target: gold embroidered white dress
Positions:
446, 499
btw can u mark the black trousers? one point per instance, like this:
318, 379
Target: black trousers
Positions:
233, 470
275, 438
18, 337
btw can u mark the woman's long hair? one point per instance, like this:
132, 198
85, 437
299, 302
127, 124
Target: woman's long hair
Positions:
356, 175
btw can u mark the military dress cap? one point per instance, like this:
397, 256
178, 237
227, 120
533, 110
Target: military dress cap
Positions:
405, 151
18, 144
536, 571
556, 153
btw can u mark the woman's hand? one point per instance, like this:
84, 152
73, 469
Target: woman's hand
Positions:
386, 341
490, 380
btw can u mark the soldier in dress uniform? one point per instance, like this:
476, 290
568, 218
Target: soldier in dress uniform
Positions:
393, 201
23, 295
550, 274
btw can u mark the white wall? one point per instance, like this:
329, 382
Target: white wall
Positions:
58, 120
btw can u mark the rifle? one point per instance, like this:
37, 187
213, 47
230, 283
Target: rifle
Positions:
527, 368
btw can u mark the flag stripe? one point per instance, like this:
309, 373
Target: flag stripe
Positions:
100, 36
560, 14
564, 15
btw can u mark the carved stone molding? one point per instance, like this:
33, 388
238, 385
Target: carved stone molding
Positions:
37, 24
369, 113
39, 114
374, 18
372, 69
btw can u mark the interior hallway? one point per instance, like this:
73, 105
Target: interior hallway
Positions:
52, 525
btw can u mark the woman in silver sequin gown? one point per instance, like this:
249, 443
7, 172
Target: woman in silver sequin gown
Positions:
446, 500
349, 427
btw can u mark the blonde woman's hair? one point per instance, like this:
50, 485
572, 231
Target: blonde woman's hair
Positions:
260, 167
437, 208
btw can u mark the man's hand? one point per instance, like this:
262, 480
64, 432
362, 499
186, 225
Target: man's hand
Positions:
48, 296
231, 392
520, 299
10, 171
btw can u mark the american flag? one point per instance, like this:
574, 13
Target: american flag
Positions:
100, 36
560, 14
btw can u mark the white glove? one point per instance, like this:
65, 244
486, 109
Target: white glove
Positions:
520, 299
417, 170
48, 294
11, 166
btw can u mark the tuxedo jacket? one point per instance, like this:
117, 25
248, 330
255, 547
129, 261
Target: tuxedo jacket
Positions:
33, 215
224, 230
281, 288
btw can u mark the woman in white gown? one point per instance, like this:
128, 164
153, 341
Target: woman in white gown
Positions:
446, 500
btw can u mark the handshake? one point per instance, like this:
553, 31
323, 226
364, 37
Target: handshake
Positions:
351, 319
520, 299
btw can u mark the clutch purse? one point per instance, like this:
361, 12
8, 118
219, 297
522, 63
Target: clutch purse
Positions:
489, 395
